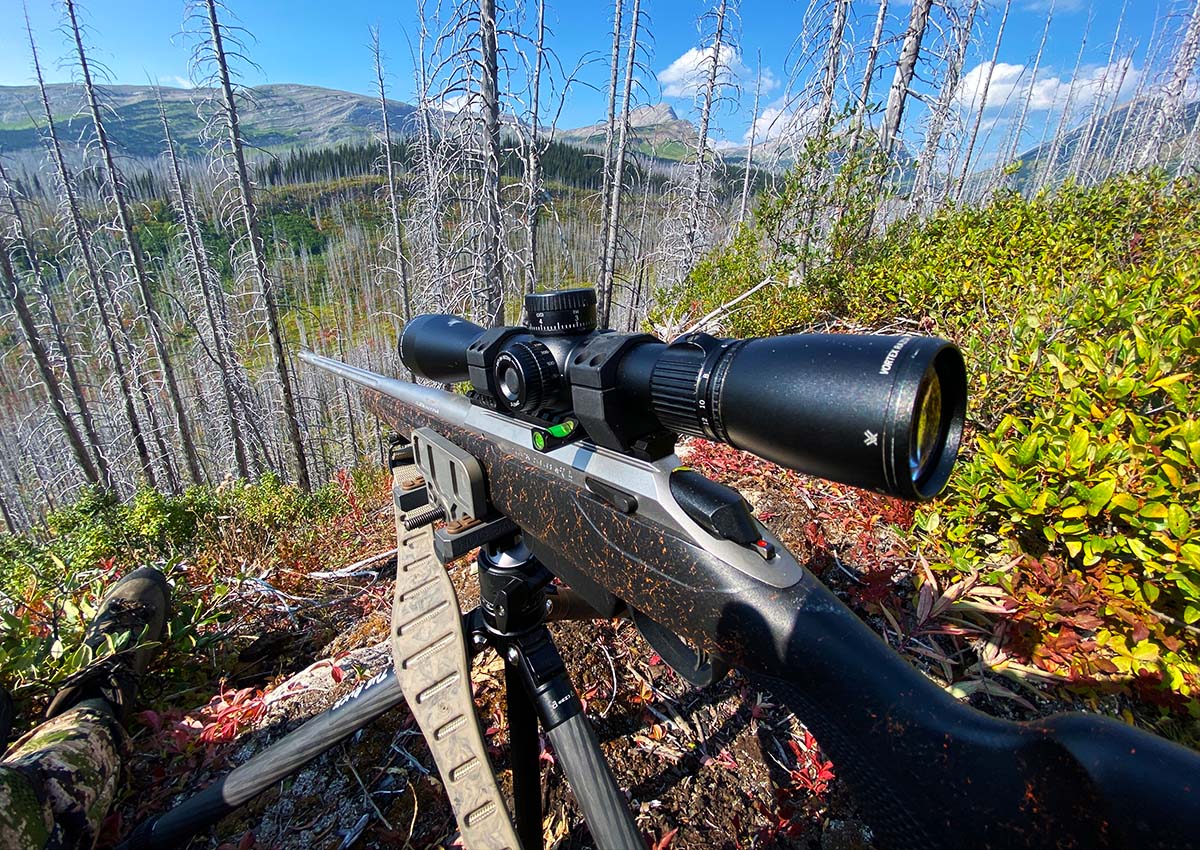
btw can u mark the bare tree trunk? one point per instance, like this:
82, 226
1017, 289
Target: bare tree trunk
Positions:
393, 197
533, 161
860, 113
750, 147
983, 96
1049, 166
906, 67
142, 281
618, 176
609, 133
98, 288
255, 247
833, 56
430, 170
1170, 103
1015, 151
15, 295
923, 182
490, 306
1083, 149
197, 257
699, 172
60, 338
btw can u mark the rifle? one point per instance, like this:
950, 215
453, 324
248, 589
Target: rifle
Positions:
559, 464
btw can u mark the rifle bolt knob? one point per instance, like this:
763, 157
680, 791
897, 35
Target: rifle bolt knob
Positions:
513, 655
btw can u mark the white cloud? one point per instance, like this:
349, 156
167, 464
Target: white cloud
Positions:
454, 103
687, 75
1010, 86
176, 81
780, 120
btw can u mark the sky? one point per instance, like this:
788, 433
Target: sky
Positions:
325, 43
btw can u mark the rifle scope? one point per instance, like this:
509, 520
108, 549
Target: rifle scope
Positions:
882, 412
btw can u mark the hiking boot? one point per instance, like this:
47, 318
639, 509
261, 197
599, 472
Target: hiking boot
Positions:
136, 608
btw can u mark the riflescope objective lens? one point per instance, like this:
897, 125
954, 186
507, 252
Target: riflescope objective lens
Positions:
926, 432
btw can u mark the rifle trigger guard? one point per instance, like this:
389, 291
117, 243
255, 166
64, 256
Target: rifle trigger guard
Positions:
696, 666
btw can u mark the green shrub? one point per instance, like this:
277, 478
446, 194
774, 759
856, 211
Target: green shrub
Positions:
1078, 483
204, 538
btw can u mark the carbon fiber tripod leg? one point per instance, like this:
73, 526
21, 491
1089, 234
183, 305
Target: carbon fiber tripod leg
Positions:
544, 676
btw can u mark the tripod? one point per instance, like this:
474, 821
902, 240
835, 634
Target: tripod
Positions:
511, 618
517, 600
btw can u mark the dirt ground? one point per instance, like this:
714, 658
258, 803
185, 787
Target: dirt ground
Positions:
716, 768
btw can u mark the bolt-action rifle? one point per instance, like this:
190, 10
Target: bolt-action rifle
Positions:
559, 464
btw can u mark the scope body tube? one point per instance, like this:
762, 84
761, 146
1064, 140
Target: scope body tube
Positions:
876, 411
927, 771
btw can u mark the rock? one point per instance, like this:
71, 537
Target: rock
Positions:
845, 835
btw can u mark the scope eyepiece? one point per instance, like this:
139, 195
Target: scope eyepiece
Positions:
881, 412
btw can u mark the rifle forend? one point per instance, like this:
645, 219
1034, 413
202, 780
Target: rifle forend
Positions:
927, 771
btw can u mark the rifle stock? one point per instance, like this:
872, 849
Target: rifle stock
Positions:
925, 770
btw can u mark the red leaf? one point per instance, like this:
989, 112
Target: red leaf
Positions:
665, 842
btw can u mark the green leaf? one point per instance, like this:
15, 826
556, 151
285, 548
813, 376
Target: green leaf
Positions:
1125, 502
1153, 510
1178, 521
1078, 445
1099, 496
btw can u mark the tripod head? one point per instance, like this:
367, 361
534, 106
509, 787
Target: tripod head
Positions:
882, 412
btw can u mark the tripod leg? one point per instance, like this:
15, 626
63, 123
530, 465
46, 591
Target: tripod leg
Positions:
604, 806
525, 756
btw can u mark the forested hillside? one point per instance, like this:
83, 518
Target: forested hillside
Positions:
160, 276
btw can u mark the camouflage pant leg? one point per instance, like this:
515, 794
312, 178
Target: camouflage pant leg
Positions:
58, 782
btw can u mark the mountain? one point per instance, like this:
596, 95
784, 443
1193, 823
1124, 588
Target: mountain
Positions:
1116, 130
654, 131
273, 116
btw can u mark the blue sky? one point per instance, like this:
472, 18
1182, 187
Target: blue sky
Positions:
324, 43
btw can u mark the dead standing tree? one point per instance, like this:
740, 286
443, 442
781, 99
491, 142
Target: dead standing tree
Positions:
135, 262
868, 78
1173, 96
533, 189
617, 183
490, 302
610, 126
219, 349
906, 68
78, 237
427, 224
983, 98
62, 349
940, 115
399, 267
212, 62
758, 78
14, 294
